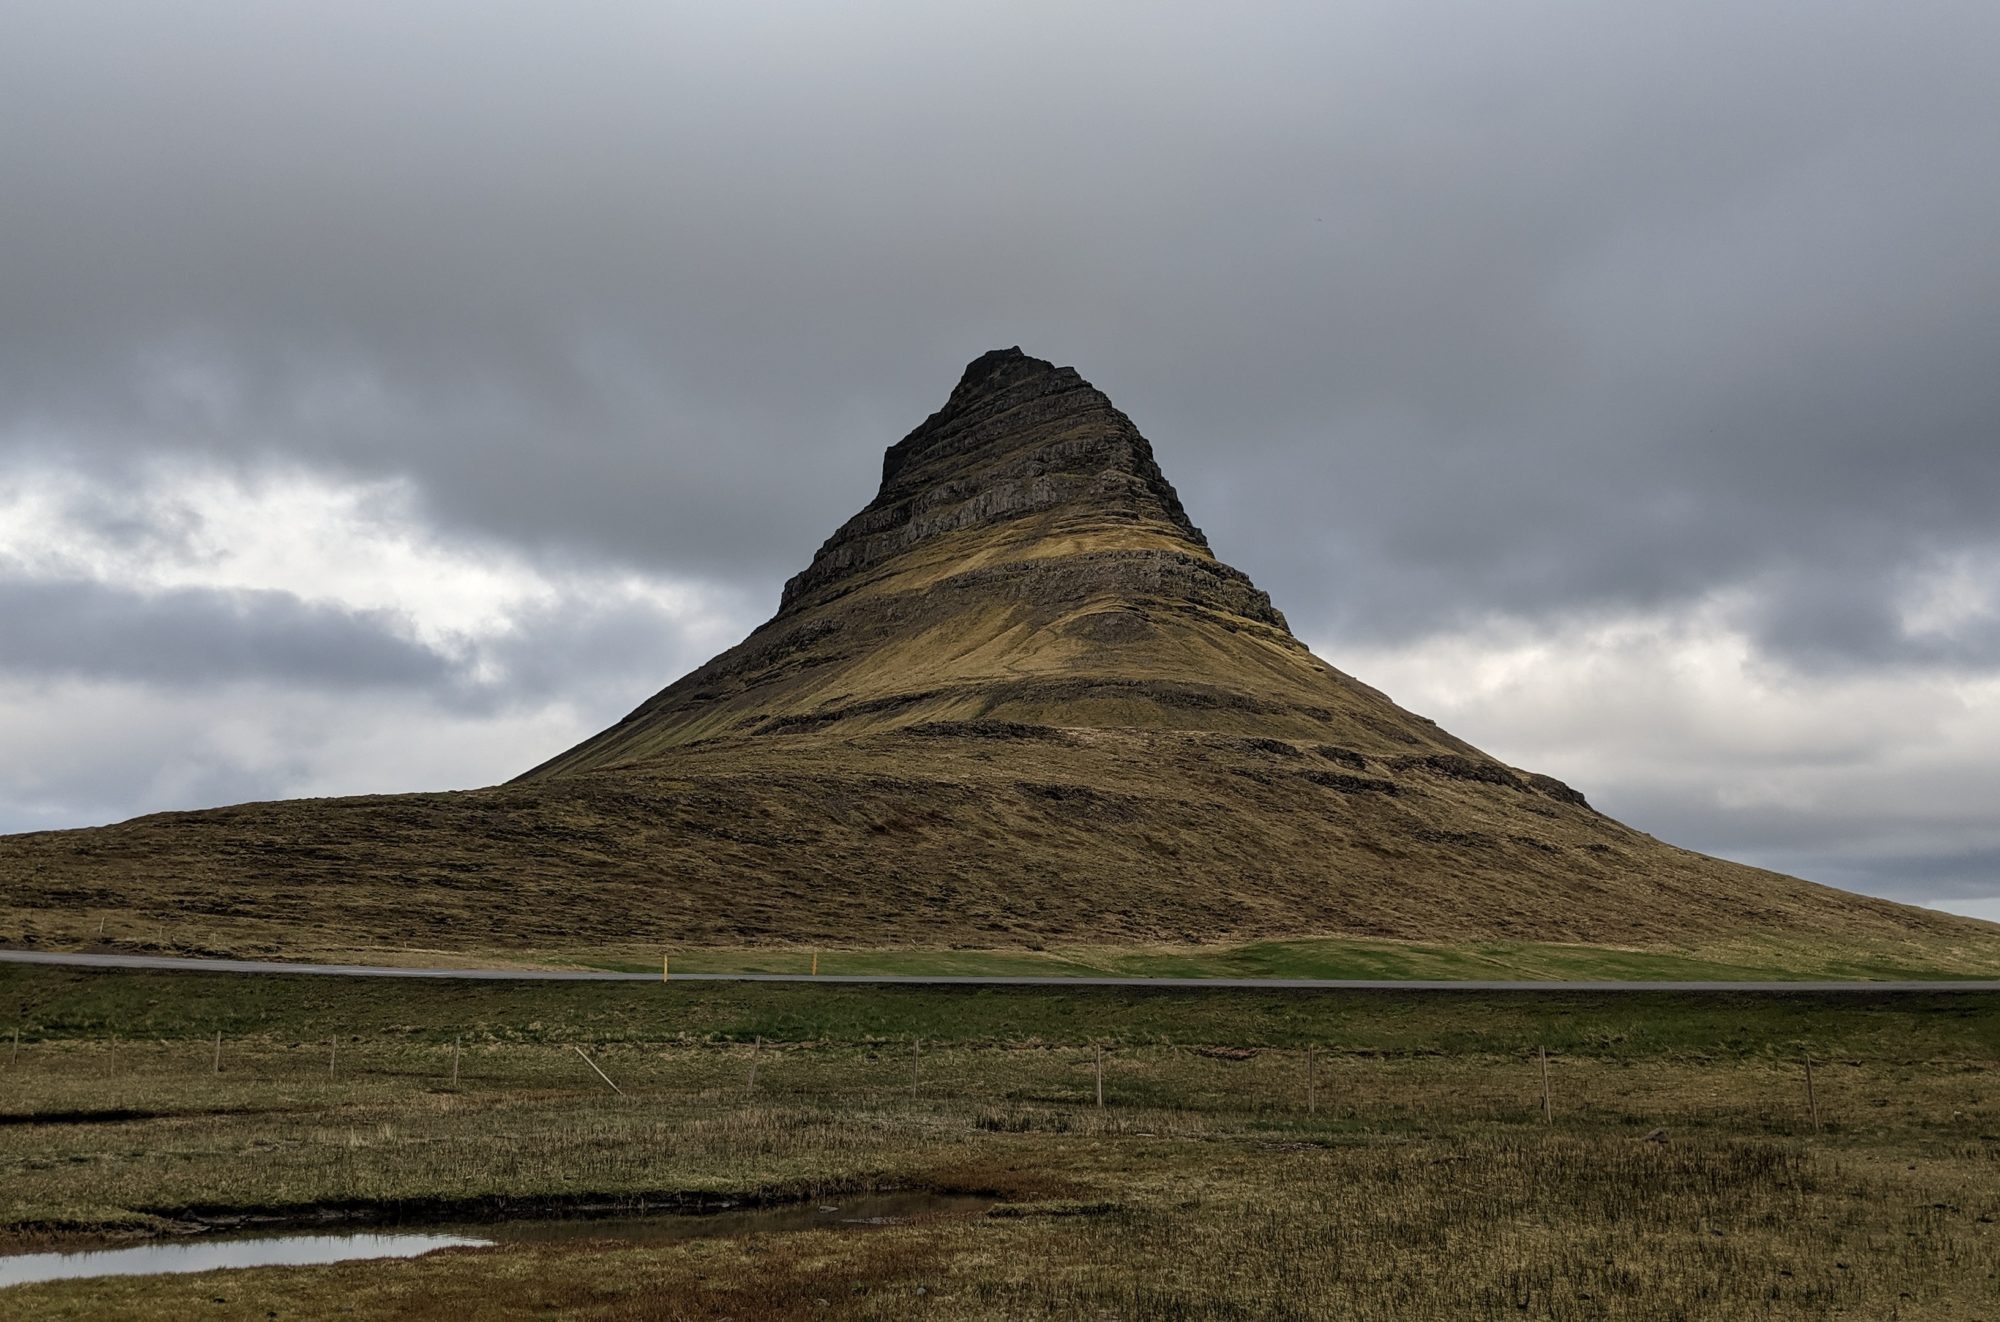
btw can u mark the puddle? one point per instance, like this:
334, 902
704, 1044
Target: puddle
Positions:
276, 1251
280, 1250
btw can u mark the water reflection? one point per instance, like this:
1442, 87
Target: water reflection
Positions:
205, 1255
276, 1250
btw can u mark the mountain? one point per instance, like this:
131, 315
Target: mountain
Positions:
1016, 700
1025, 564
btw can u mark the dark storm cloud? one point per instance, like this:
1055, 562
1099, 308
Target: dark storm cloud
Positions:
192, 637
1430, 310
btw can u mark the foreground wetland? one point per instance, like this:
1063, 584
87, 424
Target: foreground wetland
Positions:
1256, 1155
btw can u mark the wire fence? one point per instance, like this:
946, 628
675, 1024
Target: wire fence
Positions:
1316, 1082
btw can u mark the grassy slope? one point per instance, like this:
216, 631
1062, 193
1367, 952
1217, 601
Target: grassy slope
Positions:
933, 841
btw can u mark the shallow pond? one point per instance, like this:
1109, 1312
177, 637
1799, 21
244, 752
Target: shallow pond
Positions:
267, 1249
203, 1255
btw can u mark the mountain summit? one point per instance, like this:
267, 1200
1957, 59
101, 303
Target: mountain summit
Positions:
1025, 561
1019, 436
1014, 700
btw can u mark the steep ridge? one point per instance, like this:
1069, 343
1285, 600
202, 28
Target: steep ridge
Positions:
1015, 700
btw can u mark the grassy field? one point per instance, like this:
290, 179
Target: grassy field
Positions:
1750, 958
1217, 1182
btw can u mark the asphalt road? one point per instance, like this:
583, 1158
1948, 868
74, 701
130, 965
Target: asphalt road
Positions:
173, 963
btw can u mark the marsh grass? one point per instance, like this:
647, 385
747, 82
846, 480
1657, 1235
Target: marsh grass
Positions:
1424, 1183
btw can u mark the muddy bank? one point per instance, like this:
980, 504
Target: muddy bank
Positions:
483, 1210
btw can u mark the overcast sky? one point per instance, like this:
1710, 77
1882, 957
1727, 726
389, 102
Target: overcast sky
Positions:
393, 393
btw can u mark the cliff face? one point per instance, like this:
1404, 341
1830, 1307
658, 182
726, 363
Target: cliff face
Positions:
1014, 700
1018, 437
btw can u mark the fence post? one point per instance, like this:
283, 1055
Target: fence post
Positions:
600, 1073
1812, 1097
1548, 1114
1097, 1054
218, 1051
454, 1062
332, 1045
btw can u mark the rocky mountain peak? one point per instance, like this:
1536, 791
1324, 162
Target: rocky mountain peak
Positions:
1019, 437
996, 370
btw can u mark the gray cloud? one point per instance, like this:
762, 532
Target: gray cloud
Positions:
1524, 310
1932, 844
203, 637
598, 653
111, 788
1533, 310
1822, 619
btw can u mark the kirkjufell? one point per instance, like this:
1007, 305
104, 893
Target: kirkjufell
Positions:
1016, 700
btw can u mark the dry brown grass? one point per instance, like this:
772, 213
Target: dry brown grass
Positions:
1422, 1183
1423, 1188
927, 840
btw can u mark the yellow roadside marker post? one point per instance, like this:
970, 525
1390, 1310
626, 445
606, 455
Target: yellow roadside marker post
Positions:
663, 968
815, 971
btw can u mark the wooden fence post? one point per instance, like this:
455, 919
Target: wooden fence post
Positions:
454, 1062
1548, 1113
1812, 1097
600, 1073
